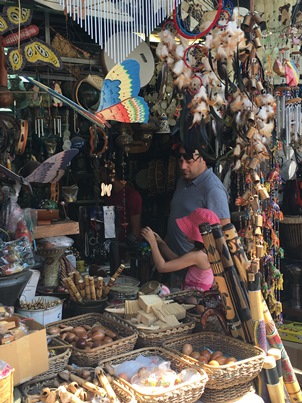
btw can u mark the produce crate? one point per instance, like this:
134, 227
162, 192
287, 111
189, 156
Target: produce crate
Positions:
127, 337
185, 392
249, 358
152, 338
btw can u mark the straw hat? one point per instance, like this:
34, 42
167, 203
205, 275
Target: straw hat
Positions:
189, 225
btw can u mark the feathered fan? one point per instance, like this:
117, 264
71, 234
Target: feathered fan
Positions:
118, 99
50, 171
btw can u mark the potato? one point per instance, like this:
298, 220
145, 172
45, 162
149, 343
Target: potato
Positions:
216, 354
221, 359
53, 330
187, 349
110, 333
202, 360
195, 354
206, 353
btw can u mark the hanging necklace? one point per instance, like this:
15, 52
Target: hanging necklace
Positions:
124, 182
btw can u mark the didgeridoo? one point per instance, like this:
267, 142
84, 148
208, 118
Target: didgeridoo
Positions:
233, 320
274, 386
239, 293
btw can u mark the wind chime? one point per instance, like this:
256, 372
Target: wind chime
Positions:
101, 19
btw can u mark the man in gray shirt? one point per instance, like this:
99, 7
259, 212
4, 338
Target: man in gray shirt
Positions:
198, 186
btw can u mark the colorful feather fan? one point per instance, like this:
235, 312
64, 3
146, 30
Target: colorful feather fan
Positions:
119, 98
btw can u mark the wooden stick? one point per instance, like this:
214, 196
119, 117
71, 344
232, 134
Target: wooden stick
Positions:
81, 287
100, 374
113, 278
274, 386
234, 323
92, 288
87, 287
76, 277
88, 385
69, 284
99, 287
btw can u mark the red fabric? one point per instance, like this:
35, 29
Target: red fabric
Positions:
133, 207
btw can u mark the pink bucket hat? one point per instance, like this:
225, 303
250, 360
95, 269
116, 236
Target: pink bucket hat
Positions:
189, 225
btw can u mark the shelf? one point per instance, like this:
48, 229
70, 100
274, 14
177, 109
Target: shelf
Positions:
57, 229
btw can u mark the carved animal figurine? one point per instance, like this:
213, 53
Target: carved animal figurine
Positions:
57, 87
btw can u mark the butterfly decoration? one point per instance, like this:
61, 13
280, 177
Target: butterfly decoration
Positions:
106, 189
119, 98
49, 171
17, 20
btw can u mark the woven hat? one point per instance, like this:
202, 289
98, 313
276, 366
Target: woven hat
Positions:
189, 224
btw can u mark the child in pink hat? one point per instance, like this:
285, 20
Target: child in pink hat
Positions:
199, 274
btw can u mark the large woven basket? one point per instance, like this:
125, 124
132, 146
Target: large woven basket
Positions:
229, 394
127, 337
33, 388
58, 362
250, 358
154, 338
186, 392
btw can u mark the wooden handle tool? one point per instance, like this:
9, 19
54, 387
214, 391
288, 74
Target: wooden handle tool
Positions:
100, 374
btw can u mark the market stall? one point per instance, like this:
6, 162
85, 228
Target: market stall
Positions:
84, 315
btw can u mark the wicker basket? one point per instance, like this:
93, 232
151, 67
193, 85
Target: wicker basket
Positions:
56, 363
250, 358
186, 392
233, 393
31, 388
154, 338
127, 337
7, 386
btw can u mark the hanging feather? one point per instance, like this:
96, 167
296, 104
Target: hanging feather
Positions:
179, 67
162, 51
182, 82
179, 52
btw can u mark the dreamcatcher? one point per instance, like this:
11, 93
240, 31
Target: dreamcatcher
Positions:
196, 18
